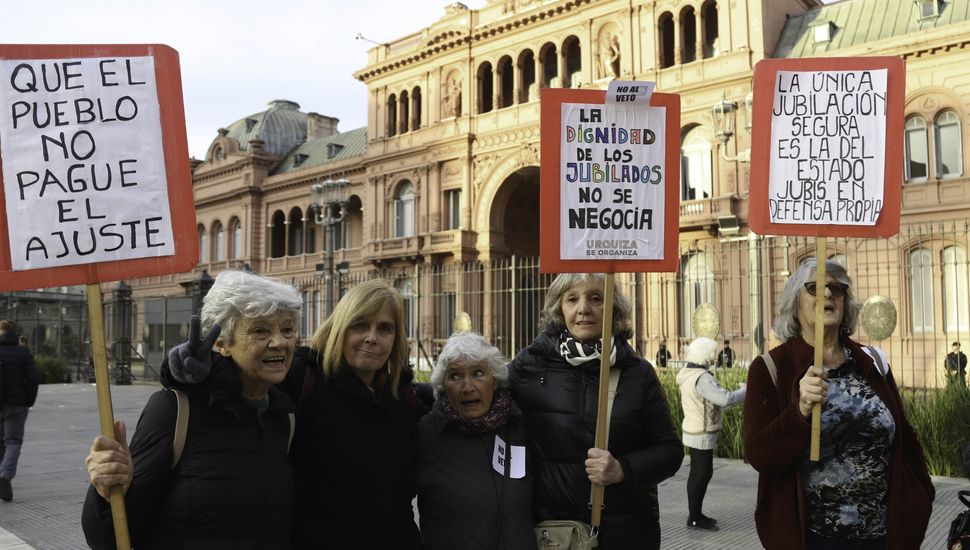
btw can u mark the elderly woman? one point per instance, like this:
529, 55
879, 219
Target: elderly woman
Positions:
703, 400
232, 487
354, 454
555, 379
870, 489
466, 496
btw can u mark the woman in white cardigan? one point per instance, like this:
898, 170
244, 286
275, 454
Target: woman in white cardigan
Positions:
703, 400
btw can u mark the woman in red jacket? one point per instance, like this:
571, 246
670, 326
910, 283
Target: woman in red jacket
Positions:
870, 489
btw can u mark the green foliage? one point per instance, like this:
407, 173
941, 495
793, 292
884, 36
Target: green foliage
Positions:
941, 419
52, 369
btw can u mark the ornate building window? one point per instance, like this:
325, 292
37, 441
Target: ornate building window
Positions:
391, 115
696, 288
404, 211
527, 77
453, 209
696, 176
921, 313
219, 242
956, 300
916, 163
711, 30
277, 237
203, 246
485, 88
949, 145
550, 66
688, 35
573, 59
416, 108
236, 247
295, 230
405, 109
506, 76
665, 32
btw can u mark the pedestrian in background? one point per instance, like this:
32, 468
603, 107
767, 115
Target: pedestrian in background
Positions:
18, 391
703, 400
663, 355
956, 366
870, 489
726, 357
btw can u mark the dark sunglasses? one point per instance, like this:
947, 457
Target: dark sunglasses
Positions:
838, 290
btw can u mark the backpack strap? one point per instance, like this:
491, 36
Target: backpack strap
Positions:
879, 358
772, 369
292, 430
181, 425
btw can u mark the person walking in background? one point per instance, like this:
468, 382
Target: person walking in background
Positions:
725, 359
870, 489
555, 381
703, 400
18, 391
956, 366
663, 355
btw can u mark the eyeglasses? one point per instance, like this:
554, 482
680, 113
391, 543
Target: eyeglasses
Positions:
838, 290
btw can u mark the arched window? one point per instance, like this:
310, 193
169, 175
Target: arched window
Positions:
277, 246
527, 76
506, 82
219, 238
391, 115
219, 154
665, 31
921, 312
956, 301
696, 288
709, 21
485, 87
404, 211
573, 58
696, 176
203, 246
416, 108
917, 151
236, 250
296, 232
949, 145
405, 108
550, 65
688, 35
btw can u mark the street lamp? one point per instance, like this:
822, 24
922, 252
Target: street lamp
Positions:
724, 114
329, 202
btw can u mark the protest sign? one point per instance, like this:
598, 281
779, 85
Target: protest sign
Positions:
93, 164
609, 180
830, 133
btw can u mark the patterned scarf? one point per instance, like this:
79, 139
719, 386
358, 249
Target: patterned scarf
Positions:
488, 422
576, 353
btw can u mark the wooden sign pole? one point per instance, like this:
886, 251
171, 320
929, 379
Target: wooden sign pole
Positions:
602, 428
820, 256
105, 413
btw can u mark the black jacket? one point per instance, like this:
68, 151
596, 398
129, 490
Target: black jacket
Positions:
354, 456
18, 374
232, 488
459, 489
559, 404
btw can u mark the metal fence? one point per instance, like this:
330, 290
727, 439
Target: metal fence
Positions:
924, 270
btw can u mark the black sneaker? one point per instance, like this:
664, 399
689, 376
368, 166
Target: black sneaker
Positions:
705, 523
710, 519
6, 492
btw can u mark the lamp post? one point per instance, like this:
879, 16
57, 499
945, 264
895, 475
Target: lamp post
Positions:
329, 202
724, 114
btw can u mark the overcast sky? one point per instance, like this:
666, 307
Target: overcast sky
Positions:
238, 55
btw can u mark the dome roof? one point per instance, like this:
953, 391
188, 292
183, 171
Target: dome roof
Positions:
281, 127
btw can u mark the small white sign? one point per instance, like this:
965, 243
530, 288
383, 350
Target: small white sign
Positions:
517, 456
630, 91
828, 147
83, 164
612, 183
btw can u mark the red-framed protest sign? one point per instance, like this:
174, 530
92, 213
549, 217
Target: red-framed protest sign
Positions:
610, 183
93, 165
827, 139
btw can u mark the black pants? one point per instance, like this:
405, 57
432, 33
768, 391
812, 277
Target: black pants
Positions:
701, 471
818, 542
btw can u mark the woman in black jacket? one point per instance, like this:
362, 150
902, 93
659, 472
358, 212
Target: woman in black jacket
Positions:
555, 382
232, 487
466, 497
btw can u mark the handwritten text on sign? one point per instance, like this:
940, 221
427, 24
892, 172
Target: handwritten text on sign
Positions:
612, 182
83, 166
828, 147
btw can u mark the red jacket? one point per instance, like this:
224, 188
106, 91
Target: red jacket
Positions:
776, 437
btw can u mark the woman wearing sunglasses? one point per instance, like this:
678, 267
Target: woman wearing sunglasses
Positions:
870, 489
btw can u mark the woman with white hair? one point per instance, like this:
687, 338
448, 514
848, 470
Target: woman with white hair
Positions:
703, 400
473, 488
232, 485
870, 488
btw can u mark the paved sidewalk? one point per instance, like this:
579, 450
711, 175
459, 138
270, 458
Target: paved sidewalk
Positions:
51, 482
